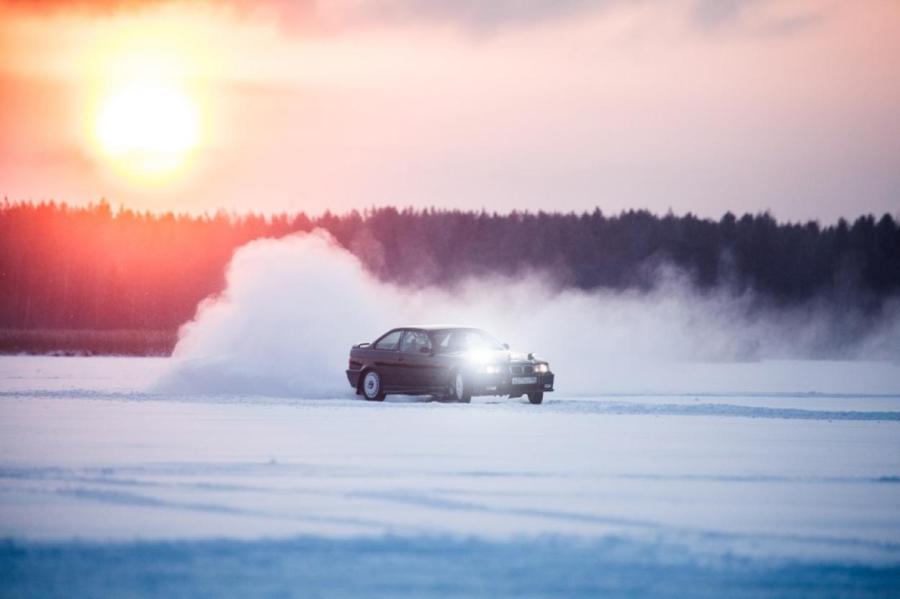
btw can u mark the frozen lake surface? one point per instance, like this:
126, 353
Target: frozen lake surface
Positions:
720, 484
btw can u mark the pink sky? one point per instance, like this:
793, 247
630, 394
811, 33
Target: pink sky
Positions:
694, 105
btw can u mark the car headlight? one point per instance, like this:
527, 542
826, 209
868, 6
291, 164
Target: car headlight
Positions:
542, 368
492, 369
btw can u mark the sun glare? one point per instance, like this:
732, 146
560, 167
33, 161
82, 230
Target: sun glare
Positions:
147, 111
147, 129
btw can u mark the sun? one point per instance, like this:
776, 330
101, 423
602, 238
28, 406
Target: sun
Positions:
147, 116
147, 129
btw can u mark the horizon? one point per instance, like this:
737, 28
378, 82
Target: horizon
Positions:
120, 207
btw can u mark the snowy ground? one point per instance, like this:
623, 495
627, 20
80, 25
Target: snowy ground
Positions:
107, 488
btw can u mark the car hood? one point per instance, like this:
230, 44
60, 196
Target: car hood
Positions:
494, 356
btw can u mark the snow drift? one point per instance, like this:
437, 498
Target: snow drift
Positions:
293, 306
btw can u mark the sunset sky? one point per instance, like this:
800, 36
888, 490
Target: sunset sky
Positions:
690, 105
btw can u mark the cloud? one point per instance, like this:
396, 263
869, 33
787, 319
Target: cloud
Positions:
756, 16
713, 13
471, 15
98, 6
475, 14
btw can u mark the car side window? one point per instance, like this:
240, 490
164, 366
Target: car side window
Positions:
441, 338
389, 341
447, 341
458, 340
414, 341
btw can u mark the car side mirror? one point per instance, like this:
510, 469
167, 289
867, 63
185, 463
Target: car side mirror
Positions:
425, 350
506, 346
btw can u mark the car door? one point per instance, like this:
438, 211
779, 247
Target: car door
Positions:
416, 360
385, 358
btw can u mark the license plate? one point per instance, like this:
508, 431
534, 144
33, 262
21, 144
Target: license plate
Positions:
524, 380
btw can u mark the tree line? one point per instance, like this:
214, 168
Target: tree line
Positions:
98, 268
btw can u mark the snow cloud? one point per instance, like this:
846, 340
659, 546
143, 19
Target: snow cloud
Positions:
294, 306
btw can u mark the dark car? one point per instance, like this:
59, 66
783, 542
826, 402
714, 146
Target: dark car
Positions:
446, 361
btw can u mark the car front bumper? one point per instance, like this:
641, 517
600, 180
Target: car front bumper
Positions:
502, 384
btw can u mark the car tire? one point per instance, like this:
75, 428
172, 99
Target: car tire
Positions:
372, 389
459, 389
536, 397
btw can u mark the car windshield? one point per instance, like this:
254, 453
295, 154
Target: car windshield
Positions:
452, 340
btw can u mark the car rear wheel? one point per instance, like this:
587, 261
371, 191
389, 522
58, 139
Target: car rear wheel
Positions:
536, 397
371, 386
459, 389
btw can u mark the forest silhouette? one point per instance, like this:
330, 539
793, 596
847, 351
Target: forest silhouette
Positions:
97, 279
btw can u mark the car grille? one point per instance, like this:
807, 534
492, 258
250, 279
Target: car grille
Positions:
521, 369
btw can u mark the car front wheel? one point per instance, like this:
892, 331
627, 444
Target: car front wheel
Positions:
459, 389
536, 397
371, 386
